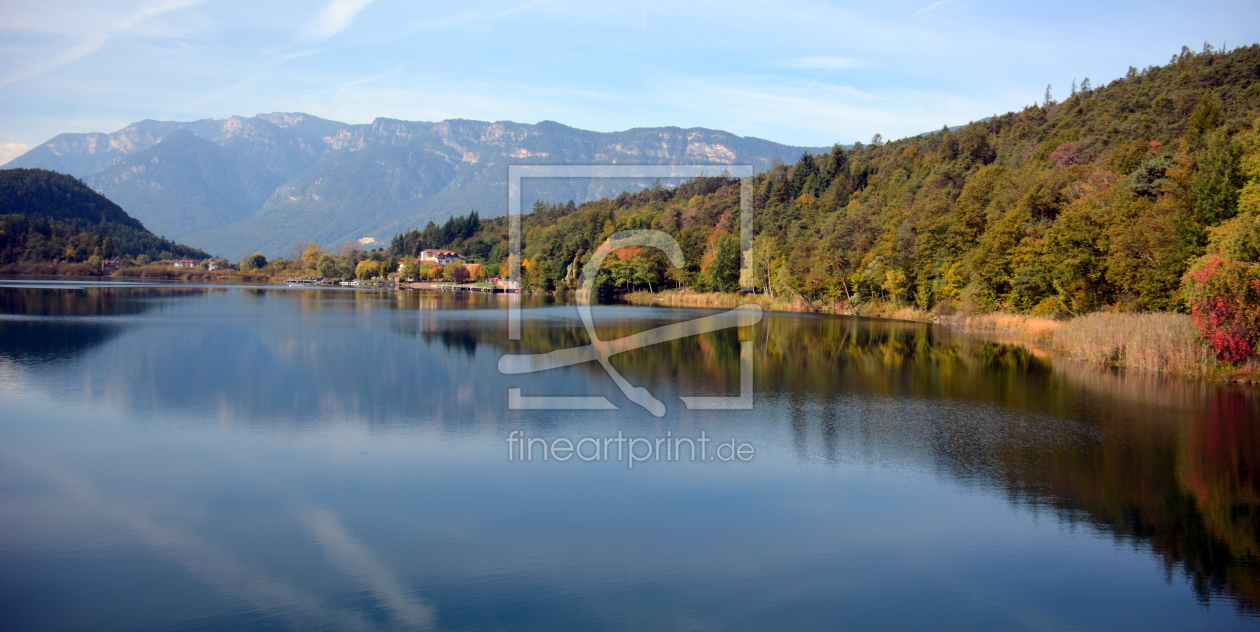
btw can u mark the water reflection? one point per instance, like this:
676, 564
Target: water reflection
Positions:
1171, 466
40, 324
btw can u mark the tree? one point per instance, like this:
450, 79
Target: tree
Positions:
805, 169
255, 261
1217, 181
1206, 115
720, 271
1224, 299
326, 266
456, 272
311, 255
108, 249
367, 269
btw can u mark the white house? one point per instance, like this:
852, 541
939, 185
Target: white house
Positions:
439, 257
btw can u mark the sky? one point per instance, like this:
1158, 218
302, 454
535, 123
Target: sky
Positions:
804, 72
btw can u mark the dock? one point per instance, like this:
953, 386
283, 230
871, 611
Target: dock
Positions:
452, 287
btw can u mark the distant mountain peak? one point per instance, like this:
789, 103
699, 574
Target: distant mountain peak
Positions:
285, 119
260, 184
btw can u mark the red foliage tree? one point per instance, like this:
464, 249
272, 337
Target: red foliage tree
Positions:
1065, 155
1224, 299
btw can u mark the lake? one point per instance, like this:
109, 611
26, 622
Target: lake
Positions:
181, 457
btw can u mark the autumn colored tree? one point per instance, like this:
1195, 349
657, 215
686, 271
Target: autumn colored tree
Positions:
368, 269
311, 254
1224, 298
455, 272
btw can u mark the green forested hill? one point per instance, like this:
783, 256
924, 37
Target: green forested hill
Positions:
48, 217
1102, 199
57, 197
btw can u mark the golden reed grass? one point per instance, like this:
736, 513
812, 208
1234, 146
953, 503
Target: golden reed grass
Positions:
1032, 326
1155, 342
1162, 341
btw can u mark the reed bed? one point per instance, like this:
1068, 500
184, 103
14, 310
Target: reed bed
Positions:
1155, 342
1033, 326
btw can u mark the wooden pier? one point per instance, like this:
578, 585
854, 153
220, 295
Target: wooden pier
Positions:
451, 287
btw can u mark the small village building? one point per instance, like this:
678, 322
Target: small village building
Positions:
440, 257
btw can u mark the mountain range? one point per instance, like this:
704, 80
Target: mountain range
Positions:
265, 183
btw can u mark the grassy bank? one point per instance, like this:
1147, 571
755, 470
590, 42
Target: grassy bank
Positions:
1163, 342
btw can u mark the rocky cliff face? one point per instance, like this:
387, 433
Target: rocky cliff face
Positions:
263, 183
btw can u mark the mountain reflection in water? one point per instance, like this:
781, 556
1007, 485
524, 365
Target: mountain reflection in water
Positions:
1165, 465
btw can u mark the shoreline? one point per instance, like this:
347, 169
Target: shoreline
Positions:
1161, 342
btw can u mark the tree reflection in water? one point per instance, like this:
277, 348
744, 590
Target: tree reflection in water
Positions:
1162, 463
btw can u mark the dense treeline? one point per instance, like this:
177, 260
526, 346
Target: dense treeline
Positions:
459, 233
50, 217
1103, 200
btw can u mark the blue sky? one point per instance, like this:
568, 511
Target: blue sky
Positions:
803, 72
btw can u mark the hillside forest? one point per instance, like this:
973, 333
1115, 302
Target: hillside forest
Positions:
1104, 200
52, 219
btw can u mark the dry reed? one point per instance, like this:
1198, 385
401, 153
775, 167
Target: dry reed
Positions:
1154, 342
1001, 321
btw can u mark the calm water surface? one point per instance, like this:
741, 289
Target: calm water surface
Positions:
178, 458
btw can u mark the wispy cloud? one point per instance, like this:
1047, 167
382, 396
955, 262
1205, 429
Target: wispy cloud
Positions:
358, 561
9, 151
931, 7
222, 569
820, 63
334, 18
352, 83
93, 41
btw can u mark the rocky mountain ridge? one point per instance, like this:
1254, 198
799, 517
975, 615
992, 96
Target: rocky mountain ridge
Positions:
244, 184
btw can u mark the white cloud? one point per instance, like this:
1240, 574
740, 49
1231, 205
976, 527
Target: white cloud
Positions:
820, 63
334, 18
98, 35
9, 151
